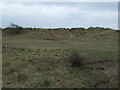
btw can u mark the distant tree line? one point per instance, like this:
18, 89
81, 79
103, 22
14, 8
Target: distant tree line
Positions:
17, 29
13, 29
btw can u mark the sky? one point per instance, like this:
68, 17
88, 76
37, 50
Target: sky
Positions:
61, 14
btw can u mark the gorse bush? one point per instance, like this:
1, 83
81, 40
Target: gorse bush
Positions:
76, 59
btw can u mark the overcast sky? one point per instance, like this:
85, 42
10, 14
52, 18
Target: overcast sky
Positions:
56, 15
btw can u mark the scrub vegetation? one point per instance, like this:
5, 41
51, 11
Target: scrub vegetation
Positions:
60, 57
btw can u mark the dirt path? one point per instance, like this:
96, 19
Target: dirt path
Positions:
110, 69
71, 36
111, 72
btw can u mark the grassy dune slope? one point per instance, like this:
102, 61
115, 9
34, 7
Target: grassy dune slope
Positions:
38, 58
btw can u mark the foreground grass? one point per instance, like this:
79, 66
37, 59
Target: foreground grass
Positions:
29, 61
38, 69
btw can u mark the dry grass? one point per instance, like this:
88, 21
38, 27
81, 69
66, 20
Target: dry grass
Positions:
31, 61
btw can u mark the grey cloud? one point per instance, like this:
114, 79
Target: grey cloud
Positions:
61, 14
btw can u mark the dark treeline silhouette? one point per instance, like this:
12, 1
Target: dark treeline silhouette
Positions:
17, 29
13, 29
78, 28
12, 25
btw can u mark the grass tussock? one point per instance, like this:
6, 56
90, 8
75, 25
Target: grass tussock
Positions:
76, 59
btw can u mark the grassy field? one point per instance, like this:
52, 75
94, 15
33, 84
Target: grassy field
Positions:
39, 58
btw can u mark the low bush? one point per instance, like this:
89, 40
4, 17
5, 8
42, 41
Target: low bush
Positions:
76, 59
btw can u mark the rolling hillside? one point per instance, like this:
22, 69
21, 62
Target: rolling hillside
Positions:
39, 58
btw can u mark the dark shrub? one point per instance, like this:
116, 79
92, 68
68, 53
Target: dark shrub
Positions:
14, 29
46, 82
75, 59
